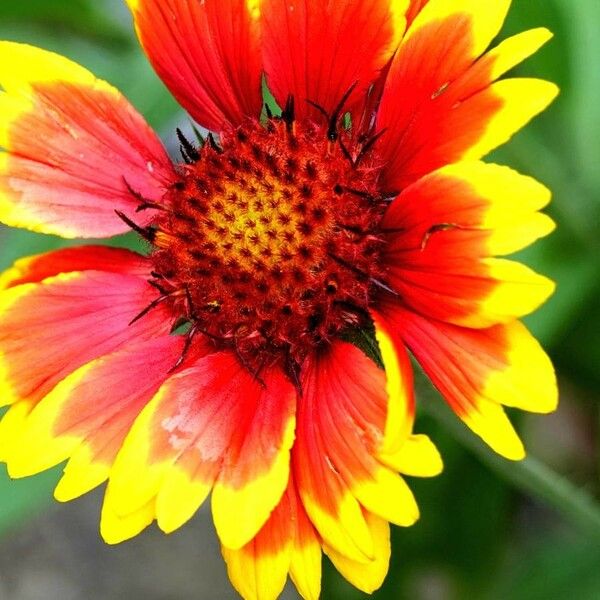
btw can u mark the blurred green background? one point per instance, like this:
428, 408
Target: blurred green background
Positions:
489, 529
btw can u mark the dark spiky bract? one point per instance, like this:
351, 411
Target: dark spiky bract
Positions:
269, 242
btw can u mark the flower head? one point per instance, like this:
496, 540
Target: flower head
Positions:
227, 360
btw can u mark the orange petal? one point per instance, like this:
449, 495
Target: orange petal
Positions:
207, 53
72, 145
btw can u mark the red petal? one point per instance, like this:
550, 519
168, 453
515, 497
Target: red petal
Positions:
317, 50
208, 55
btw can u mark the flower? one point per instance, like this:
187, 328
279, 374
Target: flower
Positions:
227, 359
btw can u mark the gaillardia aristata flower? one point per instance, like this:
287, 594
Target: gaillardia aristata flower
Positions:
226, 360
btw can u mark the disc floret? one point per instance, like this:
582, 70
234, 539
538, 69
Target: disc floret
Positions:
268, 243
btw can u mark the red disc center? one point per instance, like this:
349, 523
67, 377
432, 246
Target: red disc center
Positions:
269, 244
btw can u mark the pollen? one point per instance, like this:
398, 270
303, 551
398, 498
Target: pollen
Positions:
268, 243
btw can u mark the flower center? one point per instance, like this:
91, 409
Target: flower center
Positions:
269, 244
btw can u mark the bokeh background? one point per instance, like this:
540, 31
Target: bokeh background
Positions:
489, 529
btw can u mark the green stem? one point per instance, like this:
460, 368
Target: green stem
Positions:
529, 476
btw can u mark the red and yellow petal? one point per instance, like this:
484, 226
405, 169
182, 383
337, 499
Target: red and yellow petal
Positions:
207, 53
341, 427
36, 268
71, 145
305, 564
194, 413
403, 452
440, 104
197, 431
519, 100
259, 570
414, 8
399, 386
418, 457
255, 471
117, 528
443, 231
506, 55
65, 321
478, 371
369, 576
286, 543
317, 50
79, 419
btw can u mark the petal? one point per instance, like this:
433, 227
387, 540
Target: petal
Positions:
259, 570
79, 416
418, 457
286, 542
341, 424
316, 50
207, 53
369, 576
34, 269
12, 424
414, 8
65, 321
520, 100
256, 469
72, 145
438, 106
188, 437
444, 228
305, 565
479, 370
511, 52
117, 528
409, 454
399, 386
186, 427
